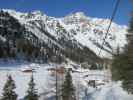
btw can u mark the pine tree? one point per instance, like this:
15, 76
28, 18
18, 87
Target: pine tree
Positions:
8, 90
122, 68
32, 92
68, 91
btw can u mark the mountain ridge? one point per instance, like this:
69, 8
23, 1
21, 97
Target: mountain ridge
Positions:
75, 30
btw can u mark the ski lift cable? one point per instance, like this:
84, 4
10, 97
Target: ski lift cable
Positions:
110, 23
108, 29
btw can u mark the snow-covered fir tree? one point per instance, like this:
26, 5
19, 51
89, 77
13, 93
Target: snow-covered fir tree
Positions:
32, 93
8, 90
68, 90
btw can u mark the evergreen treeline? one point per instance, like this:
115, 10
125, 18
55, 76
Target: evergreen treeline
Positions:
122, 67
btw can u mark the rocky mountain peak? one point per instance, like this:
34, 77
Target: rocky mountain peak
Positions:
78, 28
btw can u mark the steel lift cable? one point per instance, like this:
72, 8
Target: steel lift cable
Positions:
110, 23
108, 29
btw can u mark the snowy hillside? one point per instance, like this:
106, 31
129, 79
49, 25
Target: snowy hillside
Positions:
29, 37
45, 82
78, 28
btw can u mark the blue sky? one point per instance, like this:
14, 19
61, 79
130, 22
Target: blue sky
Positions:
59, 8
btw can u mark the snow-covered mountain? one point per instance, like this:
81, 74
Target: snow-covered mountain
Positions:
91, 32
73, 30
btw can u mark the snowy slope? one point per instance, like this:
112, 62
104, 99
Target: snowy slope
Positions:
91, 31
45, 82
77, 27
111, 91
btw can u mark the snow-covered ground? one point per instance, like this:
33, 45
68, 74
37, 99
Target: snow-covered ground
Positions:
111, 91
45, 82
41, 75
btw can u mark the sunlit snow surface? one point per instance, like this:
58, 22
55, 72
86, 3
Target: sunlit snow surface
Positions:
45, 82
111, 91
